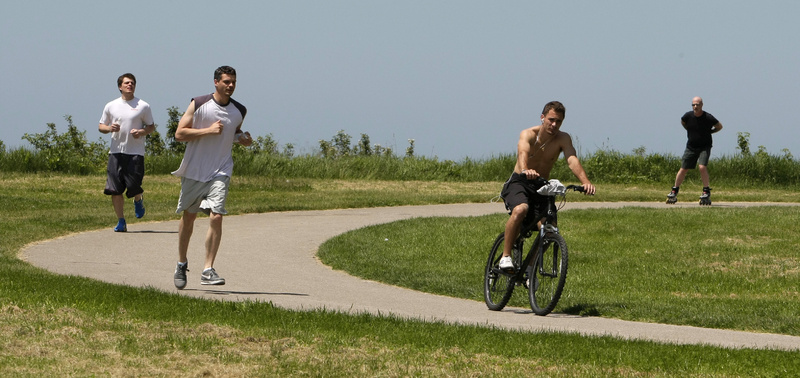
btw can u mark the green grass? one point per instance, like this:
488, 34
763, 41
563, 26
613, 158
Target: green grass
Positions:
706, 267
57, 325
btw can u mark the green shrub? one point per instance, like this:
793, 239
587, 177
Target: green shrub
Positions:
71, 152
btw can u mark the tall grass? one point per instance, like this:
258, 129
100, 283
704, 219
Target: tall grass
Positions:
608, 166
72, 152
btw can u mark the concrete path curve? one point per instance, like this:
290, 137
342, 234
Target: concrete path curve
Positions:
256, 248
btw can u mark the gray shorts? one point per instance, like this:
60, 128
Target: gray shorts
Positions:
208, 197
692, 157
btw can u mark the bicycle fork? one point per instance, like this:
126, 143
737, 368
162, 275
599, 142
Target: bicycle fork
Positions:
547, 230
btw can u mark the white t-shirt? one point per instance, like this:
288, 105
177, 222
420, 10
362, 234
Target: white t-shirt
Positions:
210, 156
133, 114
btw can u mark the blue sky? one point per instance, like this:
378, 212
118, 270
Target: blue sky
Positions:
461, 78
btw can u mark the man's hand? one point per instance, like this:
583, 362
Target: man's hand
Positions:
137, 133
530, 174
244, 138
216, 127
588, 189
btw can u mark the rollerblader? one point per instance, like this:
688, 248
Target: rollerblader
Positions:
699, 126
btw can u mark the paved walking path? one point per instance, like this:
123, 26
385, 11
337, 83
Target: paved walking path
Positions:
271, 257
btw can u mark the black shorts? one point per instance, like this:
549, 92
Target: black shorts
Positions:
125, 173
693, 156
517, 191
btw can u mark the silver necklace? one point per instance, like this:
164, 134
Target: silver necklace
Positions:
540, 142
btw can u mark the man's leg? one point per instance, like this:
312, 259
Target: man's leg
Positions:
672, 196
513, 226
704, 175
118, 202
213, 238
185, 230
680, 177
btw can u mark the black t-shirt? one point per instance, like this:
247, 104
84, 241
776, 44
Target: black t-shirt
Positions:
698, 129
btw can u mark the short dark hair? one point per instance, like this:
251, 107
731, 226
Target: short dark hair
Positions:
123, 76
228, 70
556, 106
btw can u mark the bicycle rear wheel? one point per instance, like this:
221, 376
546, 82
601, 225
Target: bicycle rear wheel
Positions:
547, 276
497, 286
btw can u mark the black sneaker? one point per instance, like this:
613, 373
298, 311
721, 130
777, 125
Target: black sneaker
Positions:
180, 275
210, 277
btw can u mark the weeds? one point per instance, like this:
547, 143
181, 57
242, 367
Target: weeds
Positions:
342, 158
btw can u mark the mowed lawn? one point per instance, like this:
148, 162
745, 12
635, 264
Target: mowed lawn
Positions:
693, 266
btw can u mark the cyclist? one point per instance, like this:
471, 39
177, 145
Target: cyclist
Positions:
537, 150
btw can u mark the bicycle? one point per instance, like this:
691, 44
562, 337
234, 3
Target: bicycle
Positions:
543, 271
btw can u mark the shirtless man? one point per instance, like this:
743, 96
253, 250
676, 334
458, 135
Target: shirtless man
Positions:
537, 151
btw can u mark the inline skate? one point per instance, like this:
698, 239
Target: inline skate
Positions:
705, 198
672, 197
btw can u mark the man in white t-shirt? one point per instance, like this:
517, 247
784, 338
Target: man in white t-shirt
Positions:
128, 119
211, 125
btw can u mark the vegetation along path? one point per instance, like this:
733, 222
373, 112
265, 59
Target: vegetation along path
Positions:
271, 258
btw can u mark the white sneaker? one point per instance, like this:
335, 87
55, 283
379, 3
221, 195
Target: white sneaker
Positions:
506, 263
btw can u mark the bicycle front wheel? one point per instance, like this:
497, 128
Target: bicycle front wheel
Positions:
497, 286
547, 276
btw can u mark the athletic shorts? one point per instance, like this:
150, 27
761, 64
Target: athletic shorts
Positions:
517, 191
694, 156
125, 175
208, 197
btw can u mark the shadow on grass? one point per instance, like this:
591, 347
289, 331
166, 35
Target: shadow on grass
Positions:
583, 309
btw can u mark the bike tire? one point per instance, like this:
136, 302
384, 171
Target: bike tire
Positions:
497, 287
548, 275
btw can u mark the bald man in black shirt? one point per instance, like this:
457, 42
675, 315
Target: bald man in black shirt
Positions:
699, 126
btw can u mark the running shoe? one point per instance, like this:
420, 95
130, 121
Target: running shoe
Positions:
210, 277
121, 226
180, 275
139, 207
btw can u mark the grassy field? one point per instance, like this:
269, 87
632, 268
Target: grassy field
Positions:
55, 325
706, 267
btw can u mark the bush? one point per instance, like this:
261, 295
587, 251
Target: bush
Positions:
337, 159
70, 152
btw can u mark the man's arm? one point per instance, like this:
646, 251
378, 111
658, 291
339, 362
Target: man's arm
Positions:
716, 128
105, 129
186, 132
523, 150
575, 165
147, 130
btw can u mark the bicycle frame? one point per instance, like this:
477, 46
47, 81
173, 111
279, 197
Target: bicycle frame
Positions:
536, 249
545, 284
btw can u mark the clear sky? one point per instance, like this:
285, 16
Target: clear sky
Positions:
461, 78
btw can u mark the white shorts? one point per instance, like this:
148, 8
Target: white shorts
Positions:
208, 197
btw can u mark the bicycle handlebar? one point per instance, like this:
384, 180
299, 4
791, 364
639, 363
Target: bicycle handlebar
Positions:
541, 181
577, 188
